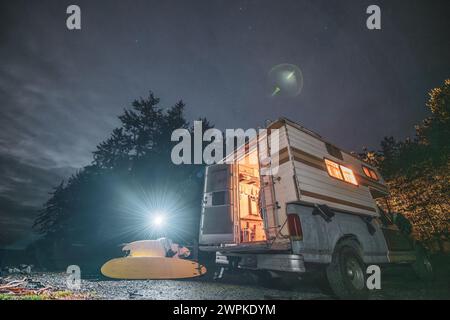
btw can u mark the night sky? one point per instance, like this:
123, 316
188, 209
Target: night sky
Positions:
61, 90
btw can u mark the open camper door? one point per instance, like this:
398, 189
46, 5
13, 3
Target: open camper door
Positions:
217, 221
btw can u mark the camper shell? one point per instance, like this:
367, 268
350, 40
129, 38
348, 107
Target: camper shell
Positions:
311, 197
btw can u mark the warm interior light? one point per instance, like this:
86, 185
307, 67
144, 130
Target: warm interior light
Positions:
333, 169
348, 175
370, 173
366, 171
340, 172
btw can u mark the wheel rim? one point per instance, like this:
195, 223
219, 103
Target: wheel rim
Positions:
354, 273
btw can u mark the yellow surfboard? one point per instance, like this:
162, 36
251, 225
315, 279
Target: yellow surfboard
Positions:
152, 268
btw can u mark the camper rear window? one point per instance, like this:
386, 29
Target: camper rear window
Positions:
340, 172
218, 198
370, 173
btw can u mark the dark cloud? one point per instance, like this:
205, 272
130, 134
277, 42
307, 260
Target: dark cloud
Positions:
23, 190
60, 90
16, 221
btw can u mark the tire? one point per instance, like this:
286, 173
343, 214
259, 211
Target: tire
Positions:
347, 273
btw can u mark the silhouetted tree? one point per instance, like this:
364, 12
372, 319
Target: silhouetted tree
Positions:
108, 202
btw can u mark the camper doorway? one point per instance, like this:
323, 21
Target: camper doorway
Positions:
250, 221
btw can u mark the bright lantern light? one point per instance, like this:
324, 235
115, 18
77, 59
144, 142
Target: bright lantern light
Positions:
157, 220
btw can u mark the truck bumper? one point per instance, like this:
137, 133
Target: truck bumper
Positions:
274, 262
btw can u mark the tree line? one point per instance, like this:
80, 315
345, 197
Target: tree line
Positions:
417, 171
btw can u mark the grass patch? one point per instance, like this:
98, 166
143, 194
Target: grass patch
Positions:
7, 296
55, 295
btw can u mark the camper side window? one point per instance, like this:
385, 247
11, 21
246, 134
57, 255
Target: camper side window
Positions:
370, 173
333, 169
348, 175
340, 172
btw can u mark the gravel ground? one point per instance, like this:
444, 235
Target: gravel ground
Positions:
173, 289
395, 285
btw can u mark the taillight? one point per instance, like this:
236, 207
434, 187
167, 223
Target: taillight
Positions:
294, 226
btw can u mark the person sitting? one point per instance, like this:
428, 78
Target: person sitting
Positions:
162, 247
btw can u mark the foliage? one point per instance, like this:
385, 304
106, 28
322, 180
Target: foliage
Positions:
417, 170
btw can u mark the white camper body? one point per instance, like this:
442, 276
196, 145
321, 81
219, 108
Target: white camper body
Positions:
312, 198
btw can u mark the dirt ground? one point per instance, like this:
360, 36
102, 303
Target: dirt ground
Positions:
397, 283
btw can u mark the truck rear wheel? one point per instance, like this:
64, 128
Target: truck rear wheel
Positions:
346, 274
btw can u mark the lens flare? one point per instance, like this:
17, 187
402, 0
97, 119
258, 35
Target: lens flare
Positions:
285, 80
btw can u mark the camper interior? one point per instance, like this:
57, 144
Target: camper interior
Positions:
250, 221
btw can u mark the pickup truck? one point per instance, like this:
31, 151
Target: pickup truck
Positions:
315, 208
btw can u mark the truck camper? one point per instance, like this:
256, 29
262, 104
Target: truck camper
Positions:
302, 205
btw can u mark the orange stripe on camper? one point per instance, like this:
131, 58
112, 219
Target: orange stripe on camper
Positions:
318, 163
335, 200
